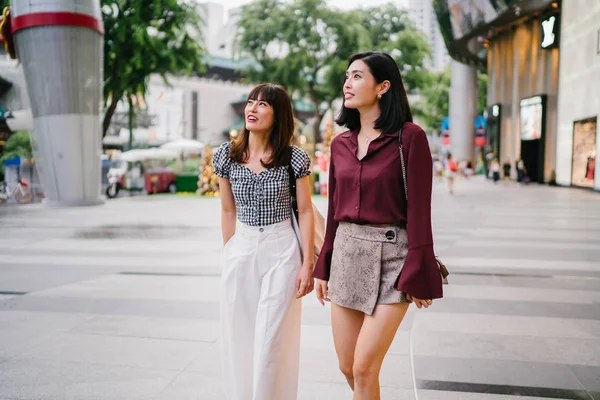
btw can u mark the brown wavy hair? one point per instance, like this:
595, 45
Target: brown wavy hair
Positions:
282, 132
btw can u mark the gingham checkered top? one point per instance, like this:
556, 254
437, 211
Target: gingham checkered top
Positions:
260, 199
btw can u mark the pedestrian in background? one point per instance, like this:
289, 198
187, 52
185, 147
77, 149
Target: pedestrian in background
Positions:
451, 170
378, 254
438, 168
506, 167
263, 276
495, 170
520, 166
469, 169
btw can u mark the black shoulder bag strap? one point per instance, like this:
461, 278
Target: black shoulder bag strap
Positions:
292, 178
403, 165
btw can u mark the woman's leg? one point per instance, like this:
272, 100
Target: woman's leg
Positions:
278, 320
346, 324
374, 340
240, 289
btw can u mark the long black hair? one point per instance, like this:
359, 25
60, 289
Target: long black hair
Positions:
395, 110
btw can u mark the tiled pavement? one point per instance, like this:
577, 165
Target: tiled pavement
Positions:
121, 302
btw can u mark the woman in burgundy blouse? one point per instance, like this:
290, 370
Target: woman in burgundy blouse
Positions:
378, 252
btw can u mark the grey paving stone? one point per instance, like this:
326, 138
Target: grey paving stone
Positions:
26, 278
445, 395
496, 372
193, 386
322, 390
576, 351
520, 308
29, 379
21, 331
139, 307
320, 366
167, 288
152, 302
151, 327
491, 347
485, 324
588, 376
208, 361
118, 351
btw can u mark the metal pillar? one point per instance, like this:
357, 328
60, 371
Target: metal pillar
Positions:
60, 45
463, 107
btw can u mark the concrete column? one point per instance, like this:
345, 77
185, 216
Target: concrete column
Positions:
60, 45
463, 106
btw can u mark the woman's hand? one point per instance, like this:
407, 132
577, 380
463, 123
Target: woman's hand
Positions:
418, 302
305, 283
322, 290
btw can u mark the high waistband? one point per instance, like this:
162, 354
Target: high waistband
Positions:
279, 227
375, 233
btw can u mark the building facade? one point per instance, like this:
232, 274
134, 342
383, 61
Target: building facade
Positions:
578, 130
422, 13
198, 108
523, 82
543, 62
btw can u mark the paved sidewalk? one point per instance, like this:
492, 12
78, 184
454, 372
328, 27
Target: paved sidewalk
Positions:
121, 302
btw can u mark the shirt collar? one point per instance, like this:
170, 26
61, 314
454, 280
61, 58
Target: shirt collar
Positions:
353, 134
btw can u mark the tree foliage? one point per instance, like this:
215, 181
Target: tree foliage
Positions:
435, 99
17, 145
146, 37
391, 30
482, 84
304, 45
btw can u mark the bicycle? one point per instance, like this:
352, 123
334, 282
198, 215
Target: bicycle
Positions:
21, 193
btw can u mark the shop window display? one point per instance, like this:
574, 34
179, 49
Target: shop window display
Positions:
584, 153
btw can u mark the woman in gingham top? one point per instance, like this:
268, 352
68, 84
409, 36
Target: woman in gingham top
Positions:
264, 276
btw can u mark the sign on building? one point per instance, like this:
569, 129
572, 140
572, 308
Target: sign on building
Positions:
550, 30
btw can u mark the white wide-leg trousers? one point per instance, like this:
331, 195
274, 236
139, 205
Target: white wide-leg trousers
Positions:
260, 316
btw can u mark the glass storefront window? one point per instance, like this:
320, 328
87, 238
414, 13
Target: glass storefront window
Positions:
584, 153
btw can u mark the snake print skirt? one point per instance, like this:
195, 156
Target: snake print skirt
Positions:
365, 266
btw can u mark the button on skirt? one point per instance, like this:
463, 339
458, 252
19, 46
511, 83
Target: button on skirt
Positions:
365, 265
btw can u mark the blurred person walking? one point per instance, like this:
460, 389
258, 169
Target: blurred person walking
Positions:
506, 167
378, 253
495, 170
263, 276
451, 171
469, 171
520, 167
438, 170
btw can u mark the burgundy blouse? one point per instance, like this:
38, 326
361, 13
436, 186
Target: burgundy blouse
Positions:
371, 192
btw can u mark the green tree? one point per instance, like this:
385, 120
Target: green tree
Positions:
302, 45
17, 145
142, 38
482, 84
391, 30
4, 3
435, 100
